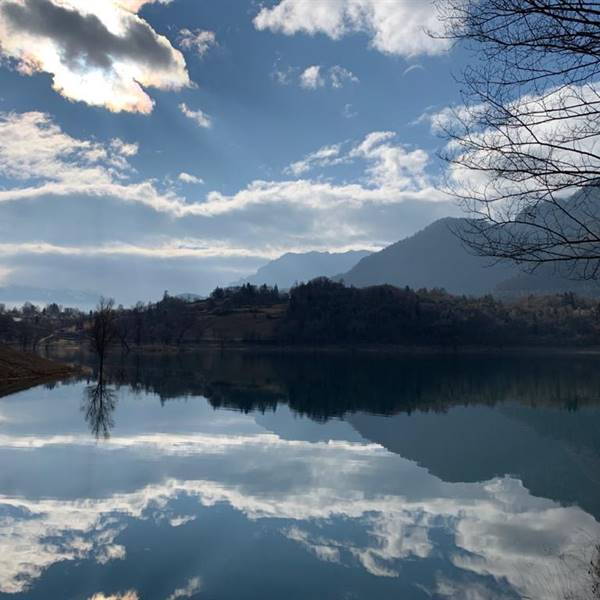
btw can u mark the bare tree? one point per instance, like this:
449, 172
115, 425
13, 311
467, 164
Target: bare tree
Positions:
524, 148
122, 332
99, 405
103, 330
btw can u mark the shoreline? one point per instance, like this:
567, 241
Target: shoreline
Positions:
283, 348
22, 370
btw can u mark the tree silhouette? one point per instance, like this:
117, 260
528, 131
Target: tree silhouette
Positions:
528, 135
99, 405
103, 330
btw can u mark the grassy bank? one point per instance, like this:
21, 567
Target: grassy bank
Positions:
20, 370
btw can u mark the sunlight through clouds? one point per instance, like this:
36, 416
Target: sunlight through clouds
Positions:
106, 56
130, 595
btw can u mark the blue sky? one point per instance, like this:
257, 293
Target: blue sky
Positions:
149, 145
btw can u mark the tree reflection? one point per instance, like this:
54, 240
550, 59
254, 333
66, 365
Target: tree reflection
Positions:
99, 404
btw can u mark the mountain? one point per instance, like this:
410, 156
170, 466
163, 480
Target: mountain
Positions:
433, 257
291, 268
545, 280
18, 294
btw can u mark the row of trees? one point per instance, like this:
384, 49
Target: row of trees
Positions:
29, 326
171, 322
523, 151
323, 311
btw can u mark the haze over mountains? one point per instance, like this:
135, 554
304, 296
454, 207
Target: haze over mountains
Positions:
432, 258
18, 294
293, 268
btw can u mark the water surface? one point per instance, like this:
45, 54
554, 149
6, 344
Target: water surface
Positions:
236, 475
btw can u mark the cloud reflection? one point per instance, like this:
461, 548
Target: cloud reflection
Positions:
498, 527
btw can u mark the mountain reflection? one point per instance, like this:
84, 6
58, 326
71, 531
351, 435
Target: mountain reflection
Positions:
464, 418
444, 478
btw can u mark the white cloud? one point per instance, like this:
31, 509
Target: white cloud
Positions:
130, 595
136, 5
172, 249
108, 56
311, 78
325, 156
179, 521
199, 117
192, 587
392, 165
197, 40
558, 127
340, 76
315, 76
188, 178
389, 165
397, 27
42, 167
33, 147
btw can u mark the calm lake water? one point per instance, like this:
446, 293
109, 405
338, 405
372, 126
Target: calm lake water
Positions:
235, 475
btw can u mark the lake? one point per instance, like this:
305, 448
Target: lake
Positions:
242, 475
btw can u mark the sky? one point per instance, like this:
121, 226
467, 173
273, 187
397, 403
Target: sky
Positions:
151, 145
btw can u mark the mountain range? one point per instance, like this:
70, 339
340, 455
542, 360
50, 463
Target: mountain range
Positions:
431, 258
293, 268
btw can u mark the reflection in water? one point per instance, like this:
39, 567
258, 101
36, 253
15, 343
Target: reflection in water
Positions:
99, 405
469, 482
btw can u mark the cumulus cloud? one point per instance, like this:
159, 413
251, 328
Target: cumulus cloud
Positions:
188, 178
47, 172
311, 78
100, 53
555, 128
33, 147
389, 165
398, 27
339, 76
192, 587
315, 76
325, 156
130, 595
197, 40
199, 117
46, 161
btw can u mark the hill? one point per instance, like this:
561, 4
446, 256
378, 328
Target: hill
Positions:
292, 267
432, 258
435, 258
19, 370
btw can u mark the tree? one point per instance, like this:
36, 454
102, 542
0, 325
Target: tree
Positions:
103, 330
99, 405
524, 149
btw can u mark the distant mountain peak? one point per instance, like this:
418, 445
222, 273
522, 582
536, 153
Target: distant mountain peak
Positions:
296, 267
